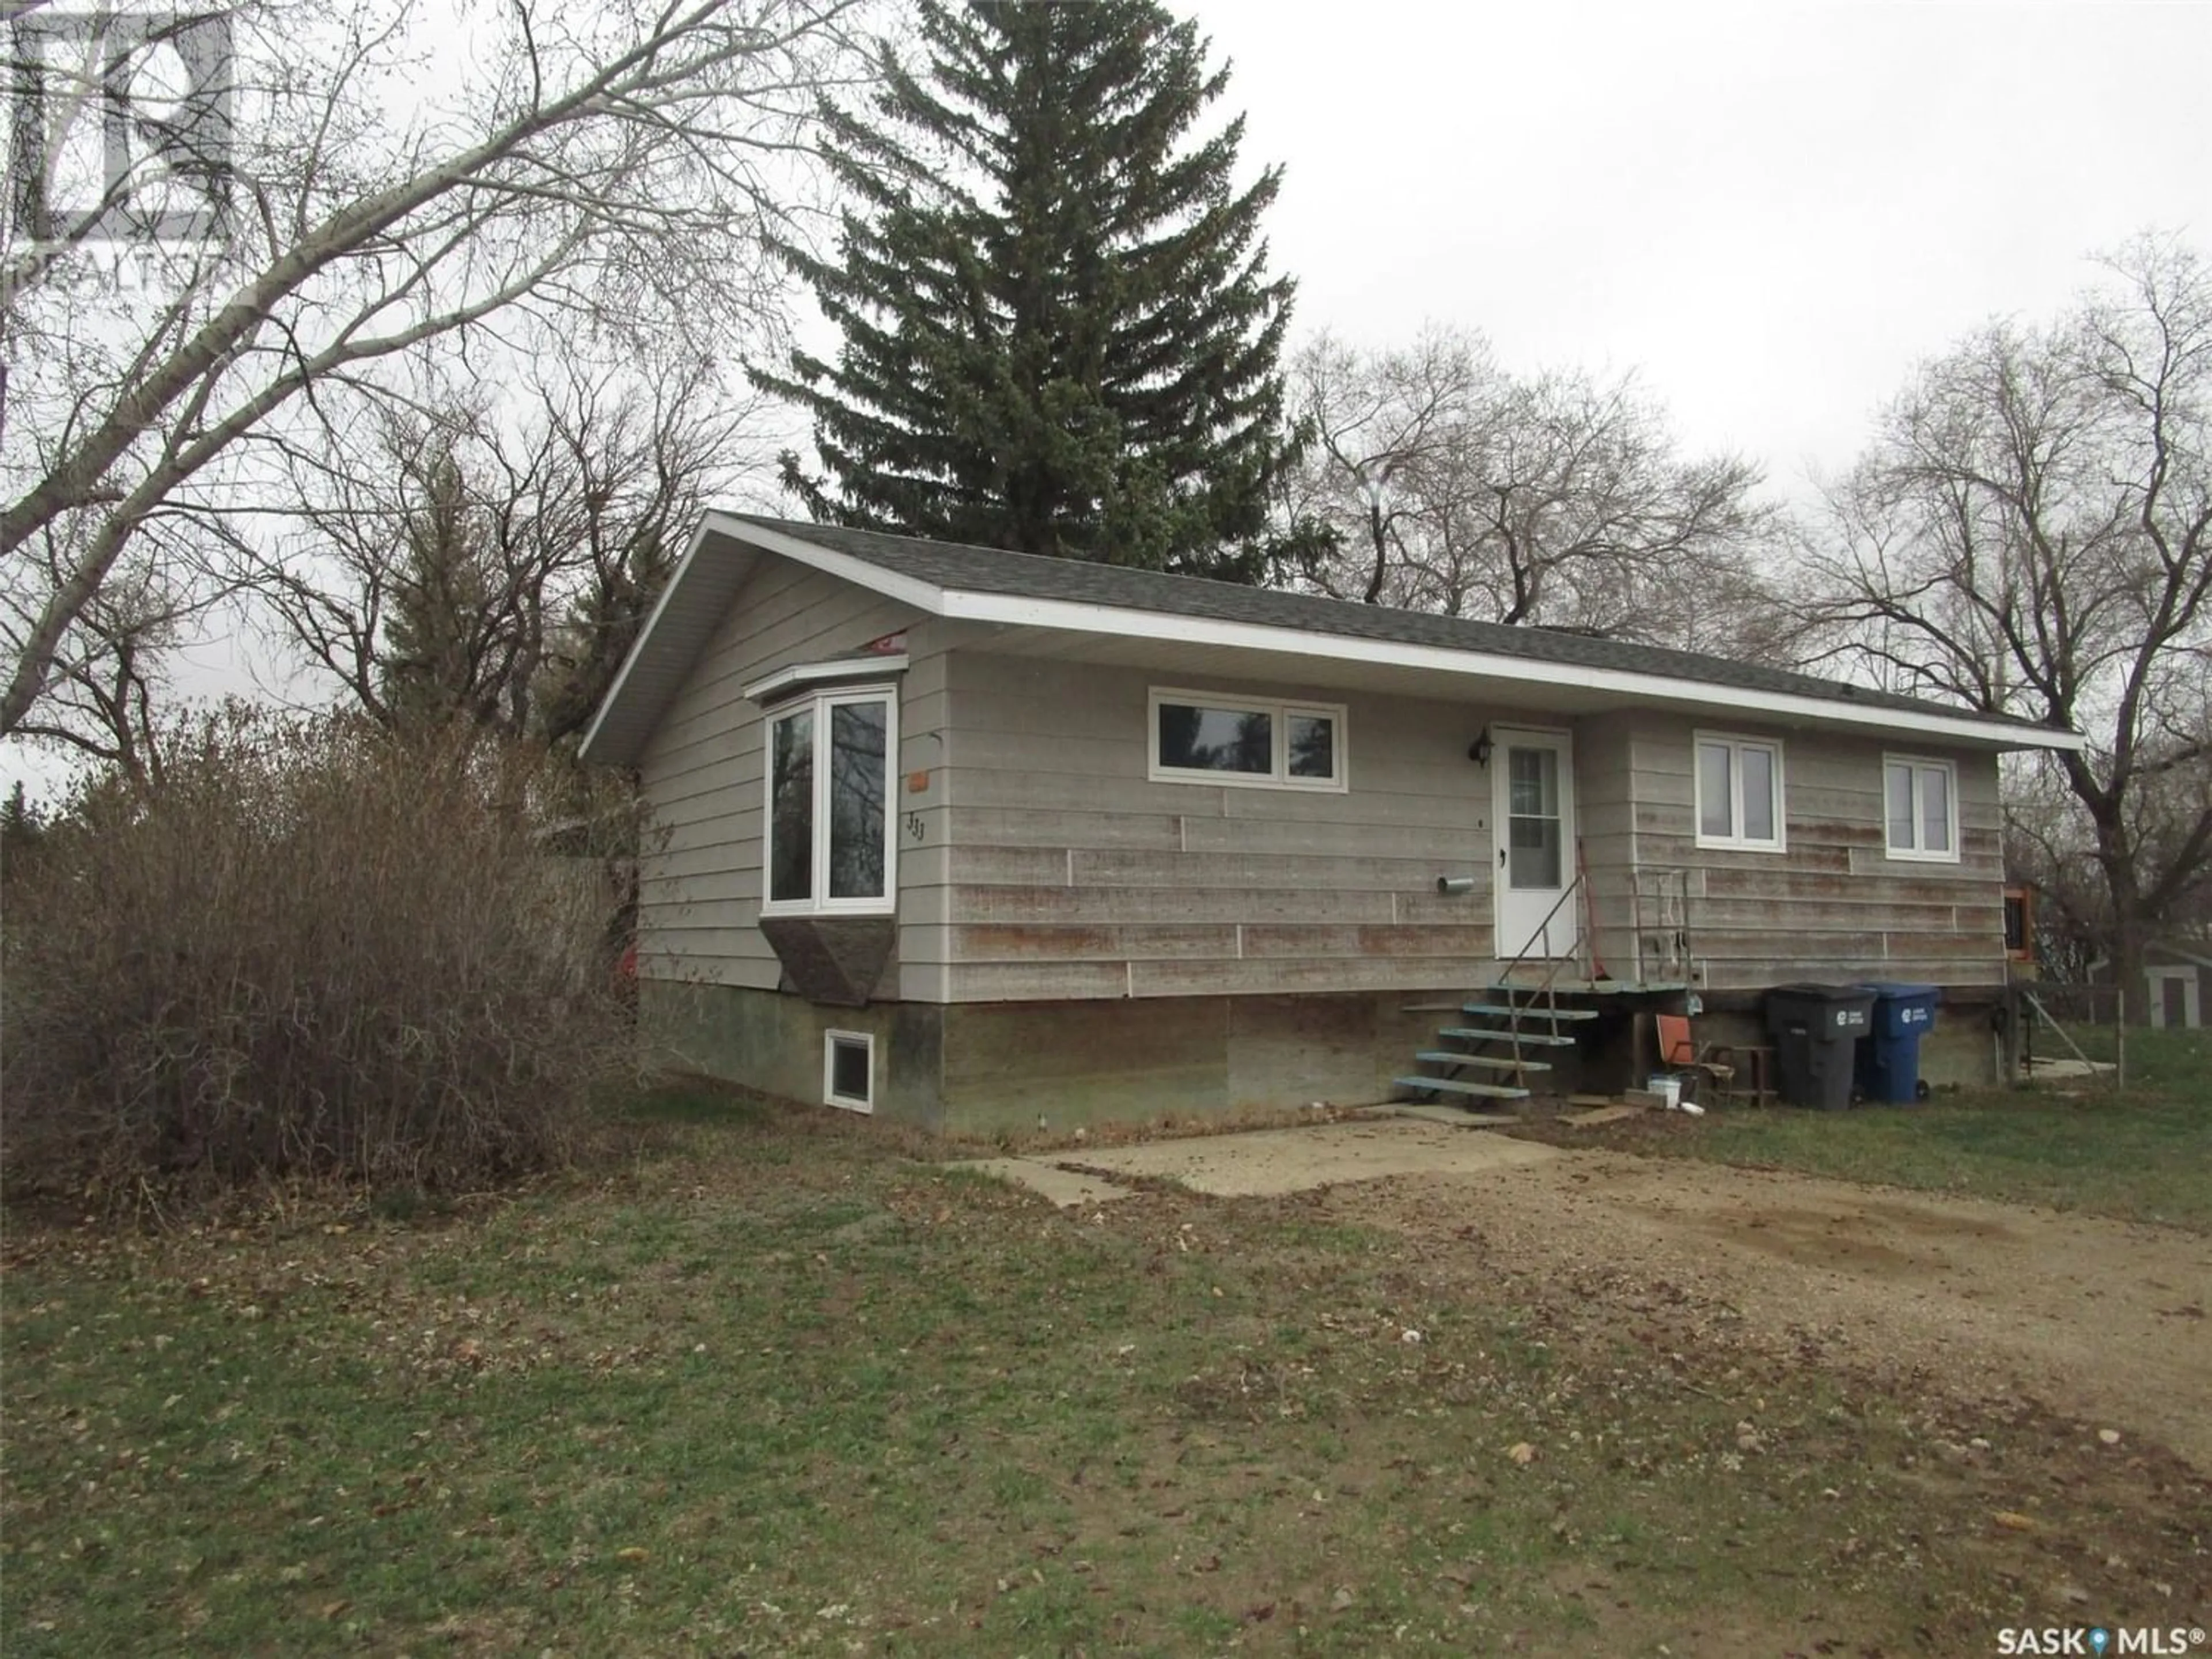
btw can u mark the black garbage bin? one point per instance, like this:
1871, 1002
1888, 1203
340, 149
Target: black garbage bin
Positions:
1816, 1029
1889, 1059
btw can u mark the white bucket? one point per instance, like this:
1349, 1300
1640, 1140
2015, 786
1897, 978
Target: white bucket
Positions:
1669, 1088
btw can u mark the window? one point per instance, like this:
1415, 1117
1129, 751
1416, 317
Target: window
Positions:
2020, 923
849, 1070
1199, 738
829, 803
1739, 792
1920, 802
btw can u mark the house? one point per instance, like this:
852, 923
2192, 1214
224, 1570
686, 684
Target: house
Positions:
981, 840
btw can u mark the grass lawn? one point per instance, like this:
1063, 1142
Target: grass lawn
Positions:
772, 1382
2143, 1155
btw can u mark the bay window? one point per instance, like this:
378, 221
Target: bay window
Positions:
827, 818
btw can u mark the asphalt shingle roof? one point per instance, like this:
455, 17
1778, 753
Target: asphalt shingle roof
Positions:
1080, 581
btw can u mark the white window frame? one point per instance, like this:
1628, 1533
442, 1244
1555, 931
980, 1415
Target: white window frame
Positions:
1279, 712
867, 1040
820, 704
1917, 763
1735, 841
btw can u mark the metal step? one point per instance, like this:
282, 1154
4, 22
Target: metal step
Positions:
1588, 988
1527, 1011
1499, 1033
1452, 1085
1448, 1057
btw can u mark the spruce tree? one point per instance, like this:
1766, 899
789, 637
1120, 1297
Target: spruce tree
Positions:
440, 659
1060, 335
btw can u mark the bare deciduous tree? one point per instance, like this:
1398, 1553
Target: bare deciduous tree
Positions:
465, 562
610, 170
2031, 534
1455, 486
101, 701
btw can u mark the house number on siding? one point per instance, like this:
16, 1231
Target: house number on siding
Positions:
915, 829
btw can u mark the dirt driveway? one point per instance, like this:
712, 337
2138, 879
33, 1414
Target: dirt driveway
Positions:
2101, 1320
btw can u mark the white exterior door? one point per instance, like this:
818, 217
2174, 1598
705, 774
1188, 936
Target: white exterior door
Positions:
1532, 784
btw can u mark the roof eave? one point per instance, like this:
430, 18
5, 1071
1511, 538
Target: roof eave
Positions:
1080, 617
593, 750
1628, 684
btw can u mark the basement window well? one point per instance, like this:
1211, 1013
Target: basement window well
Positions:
849, 1070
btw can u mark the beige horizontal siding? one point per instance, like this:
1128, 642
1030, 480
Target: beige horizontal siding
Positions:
1605, 820
1833, 905
1038, 861
1072, 874
699, 876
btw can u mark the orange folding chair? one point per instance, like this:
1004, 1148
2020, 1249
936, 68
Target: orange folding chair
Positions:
1678, 1051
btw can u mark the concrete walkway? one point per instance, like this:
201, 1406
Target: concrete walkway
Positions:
1265, 1162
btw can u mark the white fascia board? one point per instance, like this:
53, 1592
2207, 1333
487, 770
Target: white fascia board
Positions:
1252, 637
835, 672
1068, 616
637, 645
908, 590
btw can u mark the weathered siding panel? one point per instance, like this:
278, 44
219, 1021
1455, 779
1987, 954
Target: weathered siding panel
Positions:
1834, 905
1605, 814
1072, 874
699, 882
1037, 861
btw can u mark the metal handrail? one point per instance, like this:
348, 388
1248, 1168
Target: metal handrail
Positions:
1547, 989
1669, 893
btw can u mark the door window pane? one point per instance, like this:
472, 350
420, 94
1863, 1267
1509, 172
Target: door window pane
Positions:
1534, 846
1758, 794
1201, 739
790, 827
1535, 782
858, 776
1536, 853
1714, 789
1312, 745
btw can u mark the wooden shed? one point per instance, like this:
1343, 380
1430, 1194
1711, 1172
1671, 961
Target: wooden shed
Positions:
981, 840
2176, 987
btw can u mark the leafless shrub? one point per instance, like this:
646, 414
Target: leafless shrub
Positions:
311, 948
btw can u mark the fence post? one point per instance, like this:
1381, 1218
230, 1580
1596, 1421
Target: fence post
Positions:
2120, 1039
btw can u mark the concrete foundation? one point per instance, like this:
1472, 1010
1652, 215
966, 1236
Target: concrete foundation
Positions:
976, 1068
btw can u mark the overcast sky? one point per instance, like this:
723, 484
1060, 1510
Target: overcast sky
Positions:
1770, 211
1773, 211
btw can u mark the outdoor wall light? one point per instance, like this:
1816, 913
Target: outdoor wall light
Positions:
1479, 751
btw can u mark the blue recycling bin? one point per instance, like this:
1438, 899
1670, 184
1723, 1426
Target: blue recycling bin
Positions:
1889, 1058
